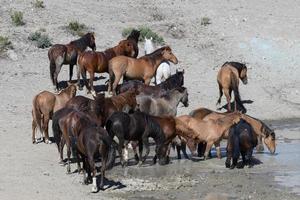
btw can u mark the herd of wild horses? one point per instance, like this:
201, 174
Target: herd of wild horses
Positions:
137, 111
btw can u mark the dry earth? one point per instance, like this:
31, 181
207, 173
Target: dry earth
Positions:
264, 34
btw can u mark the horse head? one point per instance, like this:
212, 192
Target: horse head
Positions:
243, 75
71, 90
184, 96
168, 55
127, 48
269, 138
91, 40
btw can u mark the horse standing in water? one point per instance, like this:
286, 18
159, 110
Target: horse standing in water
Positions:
98, 61
228, 81
142, 68
60, 54
241, 140
44, 105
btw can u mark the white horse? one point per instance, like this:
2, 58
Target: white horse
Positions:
163, 71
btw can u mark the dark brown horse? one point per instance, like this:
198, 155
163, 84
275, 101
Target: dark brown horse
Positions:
134, 37
143, 68
44, 105
228, 81
87, 139
60, 54
98, 61
174, 81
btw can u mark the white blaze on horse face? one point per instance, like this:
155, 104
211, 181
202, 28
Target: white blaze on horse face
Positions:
149, 47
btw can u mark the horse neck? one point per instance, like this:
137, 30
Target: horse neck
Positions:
111, 52
65, 95
81, 44
174, 102
256, 124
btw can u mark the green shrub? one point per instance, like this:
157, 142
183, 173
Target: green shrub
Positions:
145, 32
205, 21
41, 40
38, 4
5, 44
17, 18
77, 28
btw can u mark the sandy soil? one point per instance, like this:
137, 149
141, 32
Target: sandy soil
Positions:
264, 34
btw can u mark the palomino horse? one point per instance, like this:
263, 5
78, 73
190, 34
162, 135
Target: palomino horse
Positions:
98, 61
210, 131
261, 130
134, 37
174, 81
137, 126
44, 105
88, 140
165, 105
60, 54
241, 140
142, 68
228, 80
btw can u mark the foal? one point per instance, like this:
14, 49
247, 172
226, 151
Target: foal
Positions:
44, 105
241, 140
228, 80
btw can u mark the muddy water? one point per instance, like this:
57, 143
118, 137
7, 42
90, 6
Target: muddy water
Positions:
273, 176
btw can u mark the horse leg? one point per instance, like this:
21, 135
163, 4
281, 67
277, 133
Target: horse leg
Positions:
92, 83
85, 82
93, 169
183, 149
69, 157
55, 75
244, 161
140, 151
207, 149
46, 124
146, 143
229, 155
115, 83
217, 145
61, 150
220, 93
228, 98
71, 72
34, 125
104, 153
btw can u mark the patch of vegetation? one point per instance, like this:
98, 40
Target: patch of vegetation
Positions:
205, 21
145, 32
17, 18
5, 44
77, 28
42, 40
38, 4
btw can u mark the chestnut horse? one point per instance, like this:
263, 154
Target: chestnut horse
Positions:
143, 68
228, 80
261, 130
210, 131
241, 140
98, 61
44, 105
60, 54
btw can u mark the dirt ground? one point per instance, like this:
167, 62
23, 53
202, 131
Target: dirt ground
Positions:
264, 34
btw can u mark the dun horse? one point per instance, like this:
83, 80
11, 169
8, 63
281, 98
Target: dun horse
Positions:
143, 68
44, 105
98, 61
211, 131
228, 81
174, 81
60, 54
241, 140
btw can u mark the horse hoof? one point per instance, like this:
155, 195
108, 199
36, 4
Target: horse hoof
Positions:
61, 163
94, 189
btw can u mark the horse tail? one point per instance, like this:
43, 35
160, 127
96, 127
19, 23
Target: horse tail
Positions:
52, 70
235, 88
37, 116
111, 155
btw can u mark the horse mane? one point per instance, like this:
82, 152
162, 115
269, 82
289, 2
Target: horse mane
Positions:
82, 42
134, 35
239, 66
175, 80
268, 131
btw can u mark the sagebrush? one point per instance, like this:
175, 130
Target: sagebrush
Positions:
38, 4
42, 40
5, 44
17, 18
77, 28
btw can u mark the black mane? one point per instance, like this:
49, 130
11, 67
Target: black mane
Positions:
237, 65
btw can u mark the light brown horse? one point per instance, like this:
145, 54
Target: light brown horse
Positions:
98, 61
60, 54
261, 130
210, 131
228, 81
143, 68
44, 105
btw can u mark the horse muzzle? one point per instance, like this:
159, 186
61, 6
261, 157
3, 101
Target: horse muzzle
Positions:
245, 81
174, 60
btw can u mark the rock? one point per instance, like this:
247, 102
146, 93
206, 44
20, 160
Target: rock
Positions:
12, 55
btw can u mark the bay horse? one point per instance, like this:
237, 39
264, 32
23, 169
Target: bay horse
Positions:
134, 38
241, 140
210, 131
60, 54
88, 139
228, 81
174, 81
143, 68
165, 105
44, 105
98, 61
261, 130
137, 126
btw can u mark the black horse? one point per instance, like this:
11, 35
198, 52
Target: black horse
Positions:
174, 81
137, 126
241, 140
134, 36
